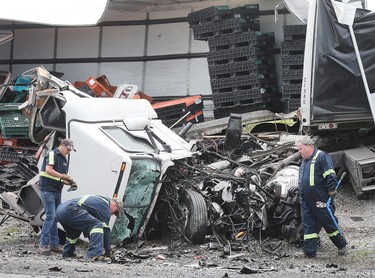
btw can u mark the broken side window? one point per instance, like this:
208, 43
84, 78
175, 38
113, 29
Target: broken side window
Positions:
127, 141
138, 196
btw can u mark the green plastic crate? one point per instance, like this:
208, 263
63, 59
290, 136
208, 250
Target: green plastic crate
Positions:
5, 107
14, 125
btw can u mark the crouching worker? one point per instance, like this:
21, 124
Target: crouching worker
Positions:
88, 215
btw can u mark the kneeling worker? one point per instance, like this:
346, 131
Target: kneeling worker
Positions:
88, 215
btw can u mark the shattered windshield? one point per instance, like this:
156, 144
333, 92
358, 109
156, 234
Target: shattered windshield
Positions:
127, 141
137, 199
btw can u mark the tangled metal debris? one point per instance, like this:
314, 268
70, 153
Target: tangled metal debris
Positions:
249, 187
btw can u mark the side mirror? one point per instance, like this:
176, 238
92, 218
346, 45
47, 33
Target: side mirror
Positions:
137, 123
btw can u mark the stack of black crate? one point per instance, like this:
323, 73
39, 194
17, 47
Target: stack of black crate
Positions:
240, 59
292, 57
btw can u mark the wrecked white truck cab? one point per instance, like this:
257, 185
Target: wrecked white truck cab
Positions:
122, 150
225, 187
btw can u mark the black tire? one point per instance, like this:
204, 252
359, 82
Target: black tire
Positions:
194, 207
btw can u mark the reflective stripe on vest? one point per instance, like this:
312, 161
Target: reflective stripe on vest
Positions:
51, 157
96, 231
84, 198
44, 174
312, 168
328, 172
310, 236
72, 240
335, 233
51, 160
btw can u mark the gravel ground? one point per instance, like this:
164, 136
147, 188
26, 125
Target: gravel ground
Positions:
20, 258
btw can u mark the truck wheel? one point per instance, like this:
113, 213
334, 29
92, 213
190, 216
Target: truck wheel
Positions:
194, 210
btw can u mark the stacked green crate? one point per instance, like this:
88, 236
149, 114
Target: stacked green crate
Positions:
13, 123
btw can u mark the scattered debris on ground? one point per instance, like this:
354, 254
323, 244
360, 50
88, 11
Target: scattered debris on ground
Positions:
172, 258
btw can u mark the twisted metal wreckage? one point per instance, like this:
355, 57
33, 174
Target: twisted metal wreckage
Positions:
249, 188
234, 187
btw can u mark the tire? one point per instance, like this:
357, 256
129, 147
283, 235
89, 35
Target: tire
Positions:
193, 206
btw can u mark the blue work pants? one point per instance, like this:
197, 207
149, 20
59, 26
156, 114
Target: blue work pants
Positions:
313, 218
49, 236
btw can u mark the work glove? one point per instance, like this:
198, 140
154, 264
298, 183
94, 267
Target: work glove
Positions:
332, 194
73, 186
67, 178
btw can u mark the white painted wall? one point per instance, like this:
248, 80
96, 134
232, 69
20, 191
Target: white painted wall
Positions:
78, 42
123, 41
40, 45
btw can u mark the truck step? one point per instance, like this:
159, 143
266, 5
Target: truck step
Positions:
361, 165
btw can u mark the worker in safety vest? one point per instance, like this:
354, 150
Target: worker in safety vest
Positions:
317, 183
89, 215
53, 176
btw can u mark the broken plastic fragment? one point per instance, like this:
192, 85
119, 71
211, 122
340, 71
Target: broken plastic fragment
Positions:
160, 257
240, 234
